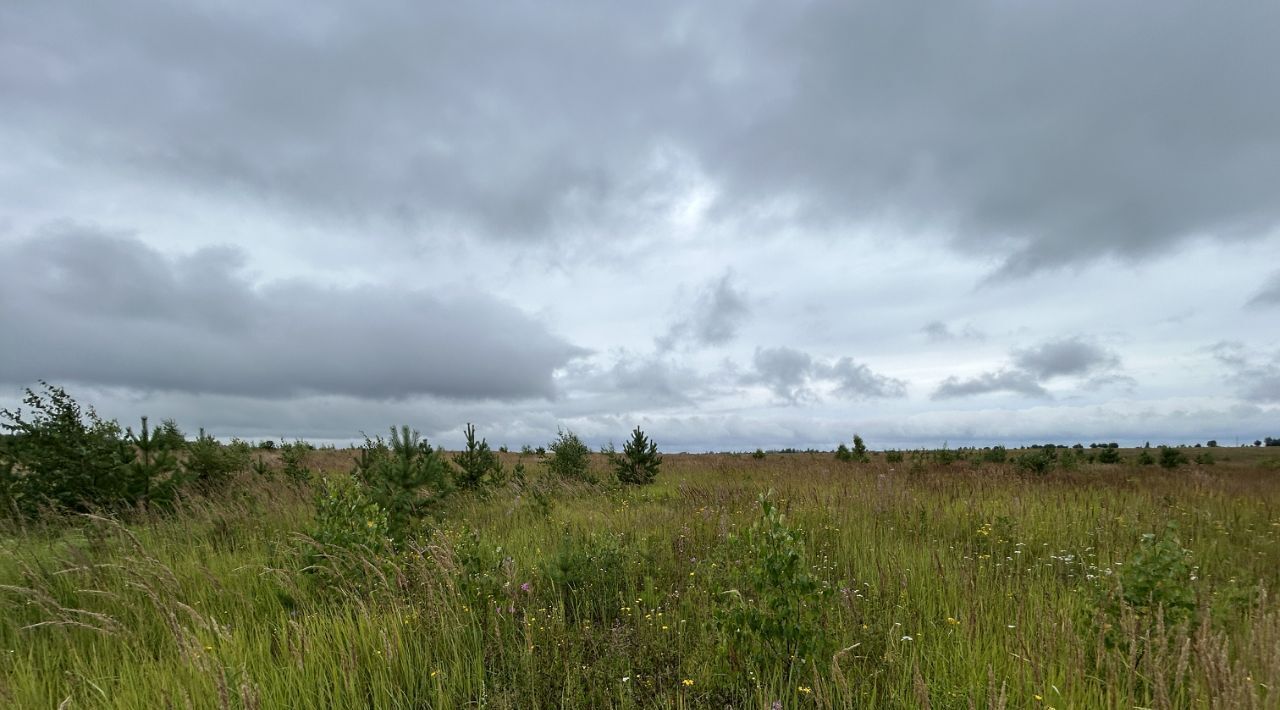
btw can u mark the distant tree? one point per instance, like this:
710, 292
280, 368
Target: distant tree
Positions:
569, 457
639, 461
1213, 443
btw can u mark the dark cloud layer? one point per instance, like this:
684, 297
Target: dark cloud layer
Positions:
1032, 367
78, 305
712, 319
792, 375
1269, 294
1049, 132
1255, 375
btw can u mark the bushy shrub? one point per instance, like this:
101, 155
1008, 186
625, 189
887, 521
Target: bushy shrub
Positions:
1206, 459
58, 455
639, 461
775, 616
349, 526
893, 456
1157, 580
1171, 457
1145, 458
405, 476
996, 454
293, 462
758, 454
1109, 455
211, 465
477, 464
569, 457
1037, 461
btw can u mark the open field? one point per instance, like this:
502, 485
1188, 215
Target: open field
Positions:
921, 583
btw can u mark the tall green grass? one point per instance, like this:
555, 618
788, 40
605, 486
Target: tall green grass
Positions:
951, 585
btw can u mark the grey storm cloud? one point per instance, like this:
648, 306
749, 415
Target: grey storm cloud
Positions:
1032, 367
1014, 381
713, 318
792, 374
1269, 294
79, 305
1051, 133
1255, 375
1067, 356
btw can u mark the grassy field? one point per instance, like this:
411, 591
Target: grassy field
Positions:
921, 583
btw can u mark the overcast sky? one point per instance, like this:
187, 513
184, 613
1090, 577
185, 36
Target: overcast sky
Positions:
735, 224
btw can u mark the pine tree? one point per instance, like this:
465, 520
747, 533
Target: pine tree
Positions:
150, 472
478, 464
405, 477
639, 461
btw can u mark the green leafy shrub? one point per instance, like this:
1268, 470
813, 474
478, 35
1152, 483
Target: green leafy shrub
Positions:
758, 454
1171, 457
1157, 580
477, 464
639, 461
405, 476
349, 526
1037, 461
775, 616
1206, 459
1109, 455
569, 457
893, 456
58, 455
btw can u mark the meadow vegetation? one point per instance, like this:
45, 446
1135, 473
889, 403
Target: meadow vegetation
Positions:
397, 575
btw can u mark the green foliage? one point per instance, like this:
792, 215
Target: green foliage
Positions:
60, 456
211, 465
293, 459
639, 461
591, 574
170, 436
347, 521
405, 476
150, 467
1145, 458
1158, 579
858, 454
478, 465
1171, 457
996, 454
1037, 461
775, 617
1206, 459
893, 456
758, 454
569, 457
1109, 455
